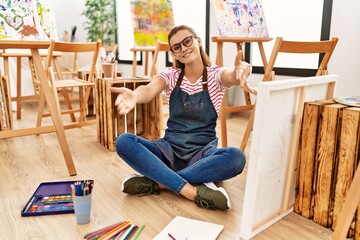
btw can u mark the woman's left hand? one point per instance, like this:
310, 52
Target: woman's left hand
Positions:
243, 70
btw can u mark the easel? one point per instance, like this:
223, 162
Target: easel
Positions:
58, 126
19, 55
239, 41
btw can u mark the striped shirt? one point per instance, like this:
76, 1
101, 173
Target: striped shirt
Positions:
215, 87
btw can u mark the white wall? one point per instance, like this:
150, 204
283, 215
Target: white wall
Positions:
68, 15
344, 24
345, 61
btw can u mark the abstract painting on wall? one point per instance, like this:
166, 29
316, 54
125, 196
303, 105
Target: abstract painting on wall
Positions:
152, 20
19, 20
240, 18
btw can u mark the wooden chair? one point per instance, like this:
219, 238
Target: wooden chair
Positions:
160, 47
111, 49
325, 47
62, 84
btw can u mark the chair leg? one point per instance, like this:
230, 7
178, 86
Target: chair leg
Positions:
248, 130
68, 103
83, 104
40, 109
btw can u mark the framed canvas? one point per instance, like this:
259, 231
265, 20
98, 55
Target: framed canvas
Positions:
240, 18
181, 13
20, 21
151, 23
270, 183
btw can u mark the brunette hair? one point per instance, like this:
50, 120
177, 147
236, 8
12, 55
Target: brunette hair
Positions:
204, 57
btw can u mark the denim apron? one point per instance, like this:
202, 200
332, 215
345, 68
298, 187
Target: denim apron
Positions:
190, 132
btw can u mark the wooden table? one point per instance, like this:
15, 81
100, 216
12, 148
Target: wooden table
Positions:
239, 41
144, 120
58, 127
146, 50
19, 55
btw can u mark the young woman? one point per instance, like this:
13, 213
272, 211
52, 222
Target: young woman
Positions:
186, 160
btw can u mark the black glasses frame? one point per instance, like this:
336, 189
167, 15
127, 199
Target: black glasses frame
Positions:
176, 48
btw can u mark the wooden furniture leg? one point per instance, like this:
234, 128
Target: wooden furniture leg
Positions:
134, 64
248, 130
18, 87
54, 111
146, 64
7, 75
349, 208
65, 91
220, 62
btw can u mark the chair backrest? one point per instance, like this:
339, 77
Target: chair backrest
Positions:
160, 47
76, 48
325, 47
110, 49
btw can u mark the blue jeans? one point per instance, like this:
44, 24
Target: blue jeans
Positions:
144, 156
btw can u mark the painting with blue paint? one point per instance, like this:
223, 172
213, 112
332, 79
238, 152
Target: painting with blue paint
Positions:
240, 18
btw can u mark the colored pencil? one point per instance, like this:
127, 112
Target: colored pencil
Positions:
82, 188
122, 235
126, 233
115, 231
102, 230
132, 232
171, 236
139, 230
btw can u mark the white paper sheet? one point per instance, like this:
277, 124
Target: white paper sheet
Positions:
181, 228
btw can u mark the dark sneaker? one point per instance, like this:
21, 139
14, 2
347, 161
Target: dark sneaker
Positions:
141, 185
210, 196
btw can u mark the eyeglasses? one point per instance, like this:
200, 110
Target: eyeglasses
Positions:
187, 42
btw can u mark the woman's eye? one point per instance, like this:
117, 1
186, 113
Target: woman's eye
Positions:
187, 42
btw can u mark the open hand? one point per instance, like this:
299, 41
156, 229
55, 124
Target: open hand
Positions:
126, 99
243, 70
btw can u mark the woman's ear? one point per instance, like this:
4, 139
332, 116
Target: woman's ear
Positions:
199, 41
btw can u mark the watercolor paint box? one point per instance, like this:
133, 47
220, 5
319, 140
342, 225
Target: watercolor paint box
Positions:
50, 198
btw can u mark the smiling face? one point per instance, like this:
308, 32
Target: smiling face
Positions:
185, 47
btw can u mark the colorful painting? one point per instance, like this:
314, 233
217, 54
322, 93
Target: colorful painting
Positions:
240, 18
152, 20
47, 18
19, 20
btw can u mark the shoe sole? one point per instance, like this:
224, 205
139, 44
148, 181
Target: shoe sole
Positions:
127, 178
222, 190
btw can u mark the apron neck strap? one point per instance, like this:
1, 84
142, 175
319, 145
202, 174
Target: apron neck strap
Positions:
204, 78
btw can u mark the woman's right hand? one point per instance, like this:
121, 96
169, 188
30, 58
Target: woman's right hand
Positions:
125, 101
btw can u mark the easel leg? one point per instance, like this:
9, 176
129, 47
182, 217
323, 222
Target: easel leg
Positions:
54, 111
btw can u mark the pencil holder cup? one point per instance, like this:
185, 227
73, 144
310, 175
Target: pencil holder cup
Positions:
108, 70
82, 208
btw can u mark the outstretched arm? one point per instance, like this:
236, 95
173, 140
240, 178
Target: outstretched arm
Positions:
127, 99
239, 75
